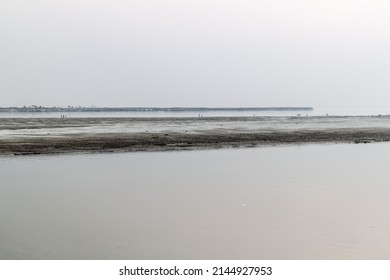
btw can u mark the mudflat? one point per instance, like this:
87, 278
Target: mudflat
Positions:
26, 136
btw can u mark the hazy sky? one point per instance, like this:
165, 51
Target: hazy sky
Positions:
195, 53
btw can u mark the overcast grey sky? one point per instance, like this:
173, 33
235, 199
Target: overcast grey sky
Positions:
195, 53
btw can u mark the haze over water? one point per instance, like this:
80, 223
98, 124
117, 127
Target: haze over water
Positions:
294, 202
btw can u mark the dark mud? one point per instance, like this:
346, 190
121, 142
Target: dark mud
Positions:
18, 137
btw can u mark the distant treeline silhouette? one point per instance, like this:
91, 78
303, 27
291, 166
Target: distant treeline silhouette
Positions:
147, 109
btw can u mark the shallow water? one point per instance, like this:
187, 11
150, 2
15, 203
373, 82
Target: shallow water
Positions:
318, 111
295, 202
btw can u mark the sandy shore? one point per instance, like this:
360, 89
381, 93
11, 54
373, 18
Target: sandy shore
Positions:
54, 136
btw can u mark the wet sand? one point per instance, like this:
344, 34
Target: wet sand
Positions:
20, 136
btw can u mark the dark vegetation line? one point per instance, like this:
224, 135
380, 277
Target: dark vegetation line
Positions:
34, 108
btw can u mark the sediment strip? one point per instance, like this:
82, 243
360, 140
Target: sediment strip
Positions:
57, 136
179, 141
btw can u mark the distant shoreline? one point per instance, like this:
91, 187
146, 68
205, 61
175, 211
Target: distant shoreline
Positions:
20, 136
32, 109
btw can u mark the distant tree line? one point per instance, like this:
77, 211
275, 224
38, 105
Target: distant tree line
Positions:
35, 108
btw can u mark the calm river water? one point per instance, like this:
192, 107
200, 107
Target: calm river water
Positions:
295, 202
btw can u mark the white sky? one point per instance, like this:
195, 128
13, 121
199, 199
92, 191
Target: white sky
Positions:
195, 53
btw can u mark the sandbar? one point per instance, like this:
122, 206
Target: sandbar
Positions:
29, 136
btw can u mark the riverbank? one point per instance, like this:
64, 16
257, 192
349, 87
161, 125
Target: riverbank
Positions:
21, 136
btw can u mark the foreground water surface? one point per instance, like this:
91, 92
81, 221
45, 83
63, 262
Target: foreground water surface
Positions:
295, 202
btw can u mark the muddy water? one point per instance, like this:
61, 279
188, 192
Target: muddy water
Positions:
296, 202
